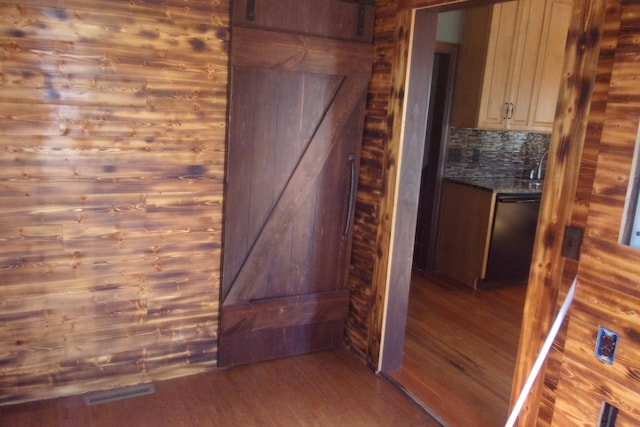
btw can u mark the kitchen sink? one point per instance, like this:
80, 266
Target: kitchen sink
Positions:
531, 184
534, 183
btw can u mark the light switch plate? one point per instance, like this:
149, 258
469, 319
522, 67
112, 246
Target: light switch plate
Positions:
571, 243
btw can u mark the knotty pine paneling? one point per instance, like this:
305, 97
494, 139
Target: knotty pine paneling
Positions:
365, 290
112, 151
607, 292
569, 177
591, 43
584, 406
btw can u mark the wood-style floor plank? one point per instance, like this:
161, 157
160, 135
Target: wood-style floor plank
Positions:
331, 388
460, 349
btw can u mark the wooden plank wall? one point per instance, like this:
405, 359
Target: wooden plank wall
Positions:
112, 149
575, 139
609, 270
367, 297
112, 129
604, 16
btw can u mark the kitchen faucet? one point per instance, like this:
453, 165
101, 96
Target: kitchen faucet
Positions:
539, 172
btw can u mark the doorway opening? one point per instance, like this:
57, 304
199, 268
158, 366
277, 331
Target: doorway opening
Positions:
434, 155
459, 345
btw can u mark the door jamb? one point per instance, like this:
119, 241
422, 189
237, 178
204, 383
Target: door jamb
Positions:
407, 187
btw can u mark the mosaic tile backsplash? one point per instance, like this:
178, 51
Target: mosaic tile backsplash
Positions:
485, 153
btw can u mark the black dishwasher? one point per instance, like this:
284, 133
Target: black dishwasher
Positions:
512, 236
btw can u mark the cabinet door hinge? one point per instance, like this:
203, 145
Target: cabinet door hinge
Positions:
571, 242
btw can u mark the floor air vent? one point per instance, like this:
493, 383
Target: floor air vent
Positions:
118, 394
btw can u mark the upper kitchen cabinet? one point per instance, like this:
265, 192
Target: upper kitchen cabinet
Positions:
510, 65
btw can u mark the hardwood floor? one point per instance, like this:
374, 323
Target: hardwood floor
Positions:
331, 388
460, 349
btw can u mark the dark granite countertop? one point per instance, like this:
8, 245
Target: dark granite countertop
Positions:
502, 185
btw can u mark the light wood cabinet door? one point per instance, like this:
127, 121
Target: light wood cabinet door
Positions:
502, 52
521, 70
550, 61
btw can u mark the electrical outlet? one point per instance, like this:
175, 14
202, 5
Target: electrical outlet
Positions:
454, 155
608, 414
606, 345
475, 157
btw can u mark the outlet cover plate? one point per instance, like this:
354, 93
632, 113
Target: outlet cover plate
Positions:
606, 345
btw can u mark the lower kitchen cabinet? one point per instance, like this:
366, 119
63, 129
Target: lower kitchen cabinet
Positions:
487, 231
464, 232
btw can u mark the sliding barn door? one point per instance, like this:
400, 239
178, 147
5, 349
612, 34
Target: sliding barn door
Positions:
299, 77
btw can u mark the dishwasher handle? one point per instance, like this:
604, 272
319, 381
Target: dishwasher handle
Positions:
518, 199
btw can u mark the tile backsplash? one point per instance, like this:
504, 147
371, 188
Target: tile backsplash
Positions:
486, 153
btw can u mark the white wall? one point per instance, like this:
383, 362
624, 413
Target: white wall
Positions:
450, 26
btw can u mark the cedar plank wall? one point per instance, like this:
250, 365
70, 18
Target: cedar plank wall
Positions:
101, 166
574, 141
607, 293
112, 148
588, 64
366, 293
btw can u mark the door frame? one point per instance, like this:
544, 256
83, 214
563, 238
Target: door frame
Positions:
546, 277
407, 187
416, 22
